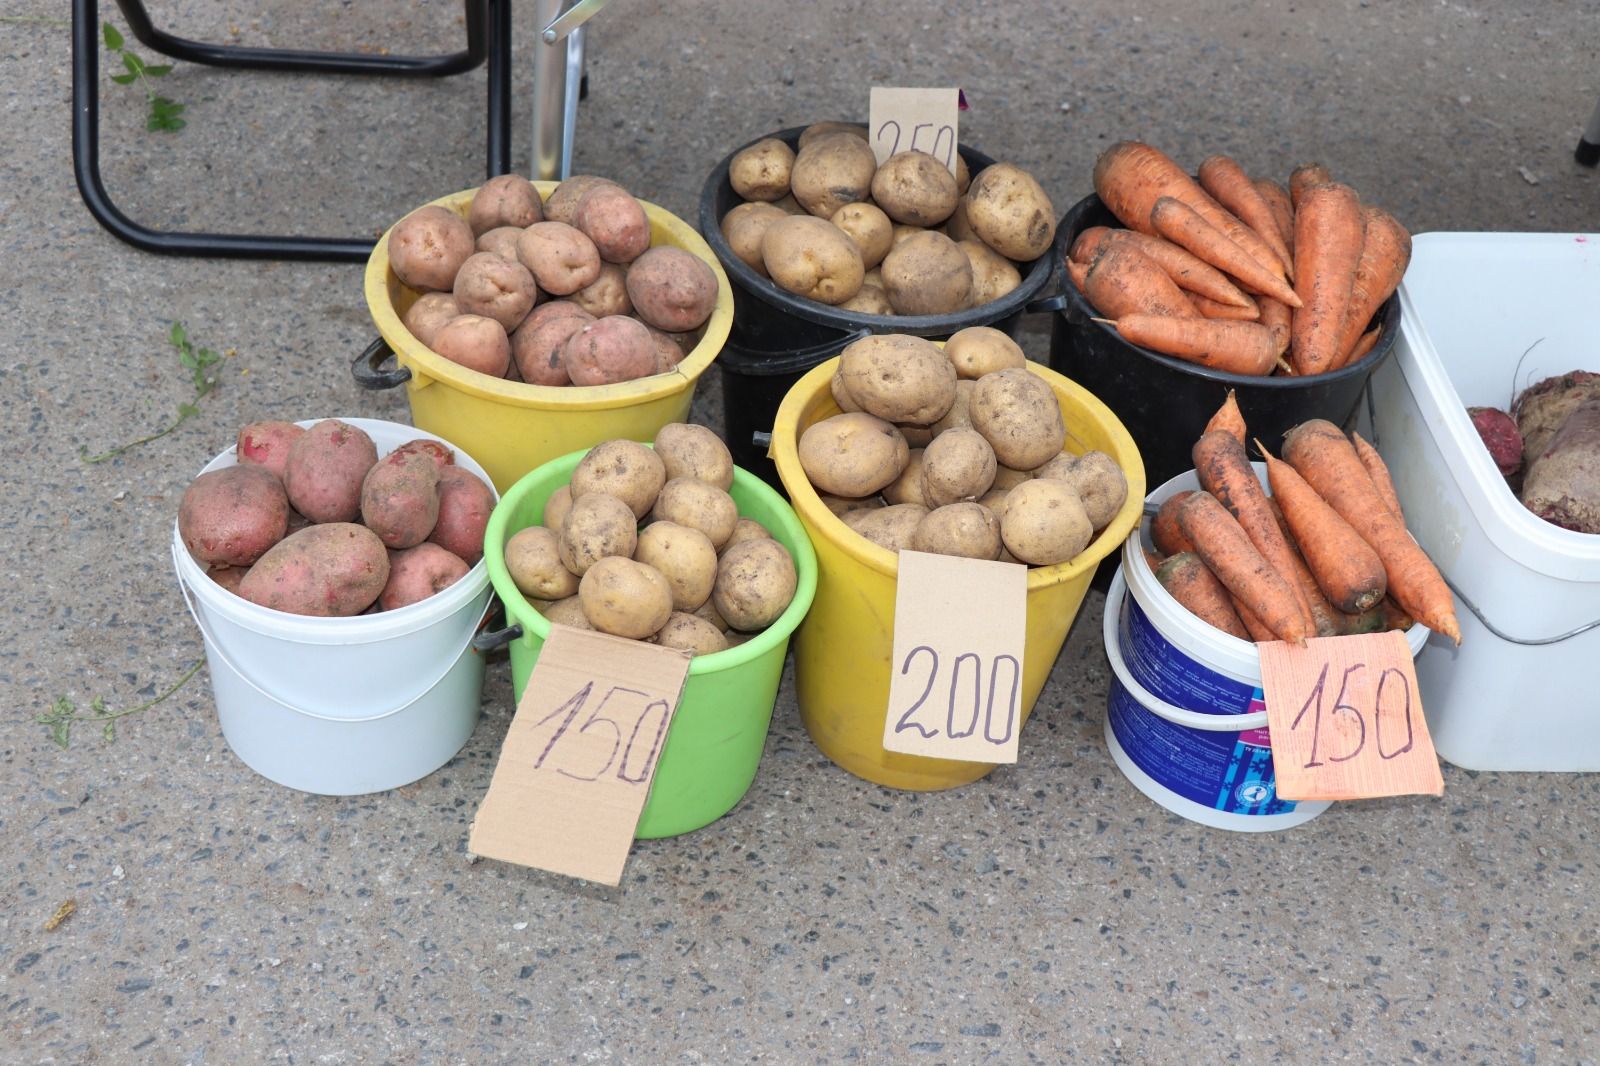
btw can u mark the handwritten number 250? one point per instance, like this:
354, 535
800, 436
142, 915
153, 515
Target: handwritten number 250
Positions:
942, 145
961, 718
617, 701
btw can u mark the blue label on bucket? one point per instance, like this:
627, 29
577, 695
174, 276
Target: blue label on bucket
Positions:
1225, 771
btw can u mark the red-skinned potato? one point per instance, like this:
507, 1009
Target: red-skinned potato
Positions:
614, 221
232, 515
267, 444
507, 200
562, 206
537, 347
672, 289
609, 350
475, 342
418, 572
464, 506
400, 499
336, 569
325, 469
560, 257
428, 246
495, 288
606, 294
431, 311
437, 451
229, 577
502, 241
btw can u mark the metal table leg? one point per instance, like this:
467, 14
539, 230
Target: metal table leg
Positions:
1588, 150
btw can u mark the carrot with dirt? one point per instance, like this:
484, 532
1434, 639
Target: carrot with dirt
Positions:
1277, 317
1237, 347
1223, 544
1187, 579
1363, 348
1229, 419
1191, 273
1259, 633
1210, 308
1185, 227
1078, 271
1328, 237
1124, 281
1303, 178
1224, 470
1130, 177
1277, 198
1328, 462
1346, 569
1231, 187
1164, 531
1378, 470
1385, 254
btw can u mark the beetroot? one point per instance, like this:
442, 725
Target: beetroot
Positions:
1544, 405
1500, 435
1563, 482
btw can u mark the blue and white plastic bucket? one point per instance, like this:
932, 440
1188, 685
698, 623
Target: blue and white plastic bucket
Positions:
1186, 720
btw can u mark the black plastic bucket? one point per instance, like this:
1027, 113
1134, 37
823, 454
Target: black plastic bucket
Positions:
1166, 402
778, 336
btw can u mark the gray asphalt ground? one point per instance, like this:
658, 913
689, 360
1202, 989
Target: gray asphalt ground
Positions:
1047, 913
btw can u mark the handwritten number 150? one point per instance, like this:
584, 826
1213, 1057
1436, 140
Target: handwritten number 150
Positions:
623, 703
1401, 704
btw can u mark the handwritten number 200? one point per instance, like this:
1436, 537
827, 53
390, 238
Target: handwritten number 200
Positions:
575, 704
958, 725
938, 142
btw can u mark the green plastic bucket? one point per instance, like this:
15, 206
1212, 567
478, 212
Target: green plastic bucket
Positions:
715, 742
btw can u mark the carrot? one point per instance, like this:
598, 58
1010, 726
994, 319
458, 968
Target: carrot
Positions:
1227, 551
1328, 618
1130, 177
1364, 345
1237, 347
1277, 317
1124, 281
1088, 243
1152, 559
1164, 531
1303, 178
1229, 419
1385, 254
1328, 235
1079, 273
1183, 226
1378, 470
1277, 198
1185, 576
1258, 632
1210, 308
1329, 463
1346, 569
1227, 182
1379, 618
1191, 273
1224, 470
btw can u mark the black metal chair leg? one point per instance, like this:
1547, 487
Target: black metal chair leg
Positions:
488, 36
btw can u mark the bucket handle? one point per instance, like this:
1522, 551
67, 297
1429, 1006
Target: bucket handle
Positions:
1209, 723
212, 644
495, 639
365, 368
1058, 302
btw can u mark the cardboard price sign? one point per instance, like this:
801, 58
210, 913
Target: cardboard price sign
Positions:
900, 120
576, 765
1346, 720
955, 683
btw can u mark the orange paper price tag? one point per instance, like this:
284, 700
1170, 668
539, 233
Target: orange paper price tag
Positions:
925, 120
576, 765
1346, 721
955, 683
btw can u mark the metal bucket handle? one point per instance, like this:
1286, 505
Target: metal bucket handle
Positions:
365, 368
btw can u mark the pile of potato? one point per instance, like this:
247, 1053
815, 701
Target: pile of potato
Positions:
648, 544
957, 452
312, 521
905, 238
564, 292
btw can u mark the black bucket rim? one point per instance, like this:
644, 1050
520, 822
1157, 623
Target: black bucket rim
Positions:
1080, 314
1038, 274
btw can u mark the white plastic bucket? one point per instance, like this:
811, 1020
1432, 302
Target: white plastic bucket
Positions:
343, 706
1186, 718
1483, 315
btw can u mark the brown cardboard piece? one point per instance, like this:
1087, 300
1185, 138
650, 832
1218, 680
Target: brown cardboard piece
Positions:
927, 120
576, 764
955, 683
1345, 718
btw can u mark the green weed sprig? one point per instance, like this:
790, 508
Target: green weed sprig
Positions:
63, 713
163, 116
198, 361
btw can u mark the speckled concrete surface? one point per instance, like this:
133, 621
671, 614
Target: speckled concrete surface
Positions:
1047, 913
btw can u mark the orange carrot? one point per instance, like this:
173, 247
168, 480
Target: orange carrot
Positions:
1277, 317
1227, 551
1329, 463
1078, 271
1347, 570
1210, 308
1229, 419
1164, 531
1378, 470
1385, 254
1226, 180
1329, 230
1277, 198
1130, 177
1185, 576
1152, 559
1237, 347
1183, 226
1224, 470
1364, 345
1258, 632
1087, 244
1191, 273
1329, 619
1303, 178
1124, 281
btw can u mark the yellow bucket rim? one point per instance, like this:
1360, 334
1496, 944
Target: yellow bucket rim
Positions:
409, 350
804, 499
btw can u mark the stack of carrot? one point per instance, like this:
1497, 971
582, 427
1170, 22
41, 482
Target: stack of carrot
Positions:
1237, 274
1326, 554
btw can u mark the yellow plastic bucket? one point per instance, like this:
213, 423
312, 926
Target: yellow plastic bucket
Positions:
843, 648
510, 427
